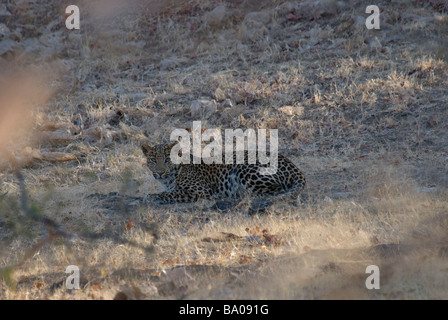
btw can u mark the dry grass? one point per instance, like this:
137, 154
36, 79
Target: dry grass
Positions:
362, 113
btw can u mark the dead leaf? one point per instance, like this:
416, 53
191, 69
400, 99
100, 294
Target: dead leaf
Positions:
272, 238
129, 225
38, 284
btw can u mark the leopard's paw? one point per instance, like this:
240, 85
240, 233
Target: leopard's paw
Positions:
155, 199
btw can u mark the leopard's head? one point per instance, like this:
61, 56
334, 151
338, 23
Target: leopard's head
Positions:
158, 159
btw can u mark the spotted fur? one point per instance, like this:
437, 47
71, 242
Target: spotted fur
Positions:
191, 182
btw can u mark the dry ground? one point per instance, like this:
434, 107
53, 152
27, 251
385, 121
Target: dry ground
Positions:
362, 112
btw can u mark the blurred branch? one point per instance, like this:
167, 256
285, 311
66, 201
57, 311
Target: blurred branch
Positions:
52, 228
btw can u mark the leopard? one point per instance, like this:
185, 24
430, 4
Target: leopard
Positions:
191, 182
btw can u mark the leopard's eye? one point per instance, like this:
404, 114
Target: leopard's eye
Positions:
167, 160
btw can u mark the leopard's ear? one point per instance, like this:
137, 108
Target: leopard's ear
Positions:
170, 145
147, 149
